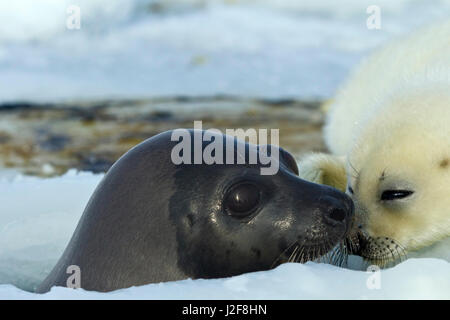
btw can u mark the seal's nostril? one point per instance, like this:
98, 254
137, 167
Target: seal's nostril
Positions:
337, 214
336, 210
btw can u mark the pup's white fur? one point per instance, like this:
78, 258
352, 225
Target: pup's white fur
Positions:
391, 123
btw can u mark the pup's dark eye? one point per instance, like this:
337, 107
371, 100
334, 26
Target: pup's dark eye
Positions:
395, 194
351, 190
242, 200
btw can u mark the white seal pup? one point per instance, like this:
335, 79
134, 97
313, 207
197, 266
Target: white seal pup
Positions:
388, 129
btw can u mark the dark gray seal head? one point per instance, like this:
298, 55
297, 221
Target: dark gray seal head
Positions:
151, 220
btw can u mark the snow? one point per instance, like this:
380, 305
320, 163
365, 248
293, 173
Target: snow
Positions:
267, 48
413, 279
37, 218
39, 215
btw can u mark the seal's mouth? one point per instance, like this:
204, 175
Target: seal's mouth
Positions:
381, 251
304, 251
318, 243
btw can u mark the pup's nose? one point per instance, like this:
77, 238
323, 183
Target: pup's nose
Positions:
337, 209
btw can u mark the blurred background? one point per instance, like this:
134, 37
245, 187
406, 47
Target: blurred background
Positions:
79, 98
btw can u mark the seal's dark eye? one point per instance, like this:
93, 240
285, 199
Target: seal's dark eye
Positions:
242, 200
351, 190
395, 194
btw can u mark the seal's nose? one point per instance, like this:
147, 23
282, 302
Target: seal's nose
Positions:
337, 214
337, 209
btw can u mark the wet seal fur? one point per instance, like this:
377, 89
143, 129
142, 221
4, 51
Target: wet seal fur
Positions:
151, 221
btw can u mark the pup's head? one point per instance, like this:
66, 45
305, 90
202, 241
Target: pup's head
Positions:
399, 180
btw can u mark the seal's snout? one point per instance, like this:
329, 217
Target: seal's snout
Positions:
337, 210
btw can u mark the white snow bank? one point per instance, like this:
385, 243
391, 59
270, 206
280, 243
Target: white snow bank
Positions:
267, 48
38, 216
413, 279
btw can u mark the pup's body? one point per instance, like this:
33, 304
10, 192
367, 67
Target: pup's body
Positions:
389, 131
420, 61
